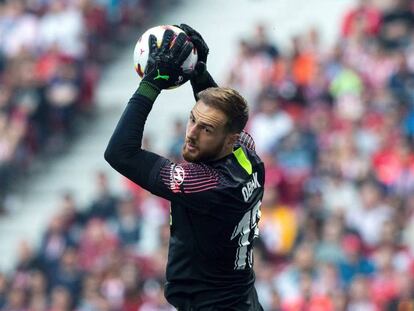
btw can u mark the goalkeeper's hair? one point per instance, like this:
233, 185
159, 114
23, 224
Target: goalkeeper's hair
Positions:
231, 103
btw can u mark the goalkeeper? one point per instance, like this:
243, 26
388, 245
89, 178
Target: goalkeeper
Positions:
215, 195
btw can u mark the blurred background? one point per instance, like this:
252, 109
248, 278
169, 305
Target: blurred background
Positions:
330, 84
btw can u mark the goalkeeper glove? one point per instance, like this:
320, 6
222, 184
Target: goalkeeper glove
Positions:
163, 69
200, 77
198, 41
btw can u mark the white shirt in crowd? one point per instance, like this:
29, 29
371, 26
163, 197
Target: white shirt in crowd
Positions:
267, 130
65, 29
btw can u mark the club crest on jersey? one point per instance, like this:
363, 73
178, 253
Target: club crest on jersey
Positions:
178, 175
250, 186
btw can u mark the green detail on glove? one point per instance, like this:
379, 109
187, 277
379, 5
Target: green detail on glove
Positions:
160, 76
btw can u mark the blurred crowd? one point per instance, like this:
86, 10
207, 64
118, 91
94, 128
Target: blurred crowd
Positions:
51, 53
107, 256
335, 128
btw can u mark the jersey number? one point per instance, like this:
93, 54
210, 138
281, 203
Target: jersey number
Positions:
248, 230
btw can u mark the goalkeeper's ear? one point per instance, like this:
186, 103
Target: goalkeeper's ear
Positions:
231, 139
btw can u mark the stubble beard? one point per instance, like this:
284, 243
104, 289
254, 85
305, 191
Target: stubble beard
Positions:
200, 156
188, 156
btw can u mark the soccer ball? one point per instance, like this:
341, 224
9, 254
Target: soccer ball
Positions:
141, 52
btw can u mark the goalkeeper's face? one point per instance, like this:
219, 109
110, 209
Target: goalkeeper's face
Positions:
207, 137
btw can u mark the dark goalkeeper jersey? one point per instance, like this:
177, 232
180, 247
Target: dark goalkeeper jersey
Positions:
215, 209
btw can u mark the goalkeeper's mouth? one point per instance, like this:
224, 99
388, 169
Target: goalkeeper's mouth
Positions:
190, 147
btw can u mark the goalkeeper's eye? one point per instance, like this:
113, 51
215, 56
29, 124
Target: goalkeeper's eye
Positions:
192, 120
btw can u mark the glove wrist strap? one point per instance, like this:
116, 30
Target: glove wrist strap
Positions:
148, 90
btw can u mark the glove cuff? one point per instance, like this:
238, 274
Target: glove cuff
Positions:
148, 90
202, 78
200, 73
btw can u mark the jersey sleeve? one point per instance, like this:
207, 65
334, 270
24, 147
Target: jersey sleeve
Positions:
190, 182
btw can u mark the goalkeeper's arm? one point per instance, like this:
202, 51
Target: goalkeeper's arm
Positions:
124, 152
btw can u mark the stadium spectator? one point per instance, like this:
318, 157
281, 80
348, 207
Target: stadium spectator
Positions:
270, 124
397, 25
401, 81
354, 263
249, 71
104, 204
359, 296
261, 42
128, 222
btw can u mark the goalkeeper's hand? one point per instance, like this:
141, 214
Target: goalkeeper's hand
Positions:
198, 41
200, 78
202, 50
163, 68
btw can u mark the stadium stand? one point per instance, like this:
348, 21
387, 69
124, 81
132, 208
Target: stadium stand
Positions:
51, 55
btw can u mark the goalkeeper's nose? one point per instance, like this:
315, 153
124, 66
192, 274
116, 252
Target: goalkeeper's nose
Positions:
192, 132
